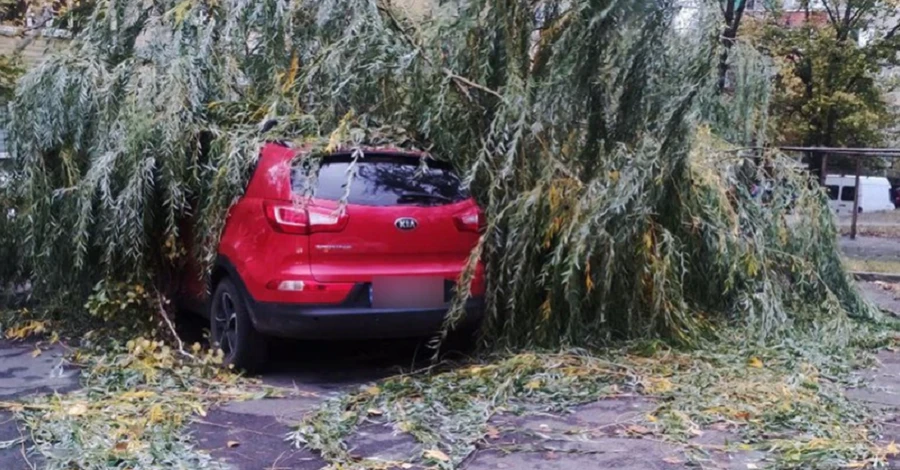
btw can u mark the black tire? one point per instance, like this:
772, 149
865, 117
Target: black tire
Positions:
231, 329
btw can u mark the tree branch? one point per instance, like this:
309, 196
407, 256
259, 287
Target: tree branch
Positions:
161, 303
831, 14
461, 83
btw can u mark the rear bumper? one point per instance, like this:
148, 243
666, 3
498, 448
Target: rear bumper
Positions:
300, 322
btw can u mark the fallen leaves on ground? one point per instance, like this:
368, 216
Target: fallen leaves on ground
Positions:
784, 398
136, 399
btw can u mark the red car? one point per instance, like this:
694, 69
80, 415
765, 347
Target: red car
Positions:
383, 266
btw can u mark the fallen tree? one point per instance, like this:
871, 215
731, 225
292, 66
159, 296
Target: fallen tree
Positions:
591, 134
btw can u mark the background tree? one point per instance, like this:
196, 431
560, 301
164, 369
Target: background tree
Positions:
733, 13
827, 90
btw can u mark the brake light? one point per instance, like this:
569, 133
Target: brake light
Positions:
289, 218
470, 221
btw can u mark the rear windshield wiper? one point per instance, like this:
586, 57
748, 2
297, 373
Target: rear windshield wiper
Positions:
417, 197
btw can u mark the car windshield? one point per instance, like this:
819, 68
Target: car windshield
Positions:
383, 180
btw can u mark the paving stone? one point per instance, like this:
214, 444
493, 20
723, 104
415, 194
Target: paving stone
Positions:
608, 453
260, 442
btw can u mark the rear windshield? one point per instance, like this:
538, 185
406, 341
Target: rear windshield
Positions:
383, 180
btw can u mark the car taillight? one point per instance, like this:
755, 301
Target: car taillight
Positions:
289, 218
470, 221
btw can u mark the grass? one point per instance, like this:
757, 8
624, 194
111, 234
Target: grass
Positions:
872, 266
872, 230
873, 224
784, 397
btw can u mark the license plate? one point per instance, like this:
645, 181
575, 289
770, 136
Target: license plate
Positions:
407, 292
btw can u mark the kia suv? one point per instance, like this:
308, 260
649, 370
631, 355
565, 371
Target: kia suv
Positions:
295, 261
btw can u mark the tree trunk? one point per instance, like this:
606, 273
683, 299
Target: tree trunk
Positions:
733, 14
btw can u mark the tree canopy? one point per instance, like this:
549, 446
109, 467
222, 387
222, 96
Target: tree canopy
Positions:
827, 87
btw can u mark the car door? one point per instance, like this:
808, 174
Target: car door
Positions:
845, 204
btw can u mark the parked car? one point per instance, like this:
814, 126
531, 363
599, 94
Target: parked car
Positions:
874, 193
383, 266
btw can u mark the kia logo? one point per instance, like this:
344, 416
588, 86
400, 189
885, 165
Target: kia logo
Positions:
406, 223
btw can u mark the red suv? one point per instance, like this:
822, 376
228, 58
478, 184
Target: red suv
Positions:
293, 263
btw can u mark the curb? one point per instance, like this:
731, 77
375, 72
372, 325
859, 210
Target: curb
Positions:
872, 277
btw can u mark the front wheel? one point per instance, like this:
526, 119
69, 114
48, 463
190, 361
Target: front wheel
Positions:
232, 331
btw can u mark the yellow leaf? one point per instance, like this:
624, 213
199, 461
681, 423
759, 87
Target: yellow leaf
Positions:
198, 408
435, 454
652, 418
533, 385
37, 352
755, 362
374, 412
180, 11
648, 240
232, 444
291, 74
373, 390
77, 409
137, 395
891, 448
156, 414
656, 386
638, 429
588, 282
546, 309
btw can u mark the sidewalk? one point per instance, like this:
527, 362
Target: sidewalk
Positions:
22, 374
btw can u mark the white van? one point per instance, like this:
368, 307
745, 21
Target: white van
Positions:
874, 193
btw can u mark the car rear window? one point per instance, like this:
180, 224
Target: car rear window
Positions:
383, 180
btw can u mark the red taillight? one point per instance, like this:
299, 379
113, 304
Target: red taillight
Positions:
470, 221
290, 218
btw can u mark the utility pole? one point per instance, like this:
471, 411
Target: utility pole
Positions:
855, 201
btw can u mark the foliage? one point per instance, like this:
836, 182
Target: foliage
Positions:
136, 399
607, 216
784, 397
128, 303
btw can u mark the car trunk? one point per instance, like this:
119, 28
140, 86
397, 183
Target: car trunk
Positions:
402, 220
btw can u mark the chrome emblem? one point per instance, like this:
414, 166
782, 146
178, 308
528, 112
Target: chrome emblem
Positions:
406, 223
